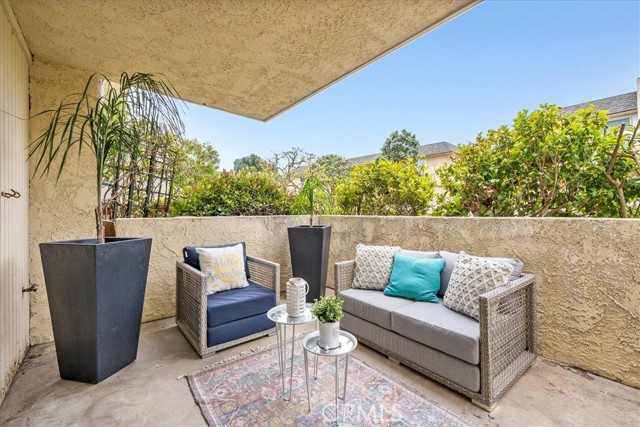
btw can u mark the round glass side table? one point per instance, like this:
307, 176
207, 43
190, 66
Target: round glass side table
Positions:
282, 320
348, 343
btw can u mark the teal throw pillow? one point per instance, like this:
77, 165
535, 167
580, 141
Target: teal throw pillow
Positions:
415, 278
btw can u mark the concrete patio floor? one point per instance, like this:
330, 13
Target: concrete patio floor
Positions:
149, 393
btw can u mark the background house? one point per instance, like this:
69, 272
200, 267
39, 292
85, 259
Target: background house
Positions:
620, 108
433, 156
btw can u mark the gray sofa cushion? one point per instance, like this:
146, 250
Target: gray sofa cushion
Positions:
450, 259
419, 254
462, 373
436, 326
371, 305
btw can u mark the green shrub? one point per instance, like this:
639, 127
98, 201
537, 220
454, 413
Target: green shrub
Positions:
234, 194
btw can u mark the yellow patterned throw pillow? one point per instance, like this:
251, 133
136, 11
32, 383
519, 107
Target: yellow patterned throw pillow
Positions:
224, 268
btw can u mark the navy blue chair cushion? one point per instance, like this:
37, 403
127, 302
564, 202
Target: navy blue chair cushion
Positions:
238, 329
191, 256
235, 304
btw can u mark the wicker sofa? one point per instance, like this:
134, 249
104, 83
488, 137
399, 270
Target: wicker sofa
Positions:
478, 359
224, 319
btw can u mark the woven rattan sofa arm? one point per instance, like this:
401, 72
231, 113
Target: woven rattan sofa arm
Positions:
343, 275
191, 304
265, 273
507, 335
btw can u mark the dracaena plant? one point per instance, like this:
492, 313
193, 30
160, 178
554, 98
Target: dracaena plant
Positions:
314, 197
106, 118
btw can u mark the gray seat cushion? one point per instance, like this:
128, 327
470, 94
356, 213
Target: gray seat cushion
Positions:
371, 305
436, 326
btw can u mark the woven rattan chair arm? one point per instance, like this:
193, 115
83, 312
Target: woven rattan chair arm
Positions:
265, 273
343, 275
507, 334
191, 304
502, 292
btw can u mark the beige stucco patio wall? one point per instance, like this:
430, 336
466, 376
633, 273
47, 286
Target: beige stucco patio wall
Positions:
588, 280
62, 210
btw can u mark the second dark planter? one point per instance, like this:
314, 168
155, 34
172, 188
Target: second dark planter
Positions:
309, 249
96, 294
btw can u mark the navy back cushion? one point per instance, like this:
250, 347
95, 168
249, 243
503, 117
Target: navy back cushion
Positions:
191, 256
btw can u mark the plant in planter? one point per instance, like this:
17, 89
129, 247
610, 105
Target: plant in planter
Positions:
329, 312
95, 286
309, 244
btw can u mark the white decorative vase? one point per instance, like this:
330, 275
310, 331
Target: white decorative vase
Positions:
329, 335
297, 289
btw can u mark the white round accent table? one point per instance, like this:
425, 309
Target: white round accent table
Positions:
348, 343
282, 319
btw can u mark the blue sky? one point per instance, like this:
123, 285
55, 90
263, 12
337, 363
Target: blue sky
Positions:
472, 74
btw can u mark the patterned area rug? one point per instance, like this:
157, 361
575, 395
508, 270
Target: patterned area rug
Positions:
247, 391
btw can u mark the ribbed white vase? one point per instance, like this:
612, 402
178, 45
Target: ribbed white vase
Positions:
329, 335
297, 289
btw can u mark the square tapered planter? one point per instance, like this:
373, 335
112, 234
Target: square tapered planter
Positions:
96, 294
309, 250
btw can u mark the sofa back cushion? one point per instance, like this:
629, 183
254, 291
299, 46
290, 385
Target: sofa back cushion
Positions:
417, 279
450, 259
373, 266
419, 254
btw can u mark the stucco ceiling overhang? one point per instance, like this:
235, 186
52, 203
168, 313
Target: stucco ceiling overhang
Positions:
255, 58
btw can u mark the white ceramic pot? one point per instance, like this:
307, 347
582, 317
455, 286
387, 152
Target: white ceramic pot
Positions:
329, 335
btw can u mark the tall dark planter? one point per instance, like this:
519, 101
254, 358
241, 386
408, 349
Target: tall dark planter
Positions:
96, 294
309, 249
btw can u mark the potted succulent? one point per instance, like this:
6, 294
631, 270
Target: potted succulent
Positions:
96, 287
329, 312
309, 244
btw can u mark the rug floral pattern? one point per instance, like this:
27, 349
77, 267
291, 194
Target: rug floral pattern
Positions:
248, 392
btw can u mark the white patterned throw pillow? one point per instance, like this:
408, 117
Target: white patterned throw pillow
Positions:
471, 277
373, 266
224, 268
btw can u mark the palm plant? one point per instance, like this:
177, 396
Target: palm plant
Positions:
314, 197
112, 122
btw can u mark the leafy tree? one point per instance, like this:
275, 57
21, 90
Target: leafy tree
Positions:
546, 164
386, 188
289, 166
400, 146
623, 171
196, 161
250, 161
234, 194
331, 169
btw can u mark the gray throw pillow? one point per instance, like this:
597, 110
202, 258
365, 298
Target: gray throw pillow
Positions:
471, 277
450, 259
373, 266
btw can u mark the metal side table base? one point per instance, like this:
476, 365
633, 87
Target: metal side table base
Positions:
348, 343
282, 320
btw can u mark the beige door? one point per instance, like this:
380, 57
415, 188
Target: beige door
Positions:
14, 209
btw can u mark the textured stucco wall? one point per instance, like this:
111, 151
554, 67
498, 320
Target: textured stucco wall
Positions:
588, 281
62, 210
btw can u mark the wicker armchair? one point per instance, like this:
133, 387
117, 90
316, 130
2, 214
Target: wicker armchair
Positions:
191, 302
508, 343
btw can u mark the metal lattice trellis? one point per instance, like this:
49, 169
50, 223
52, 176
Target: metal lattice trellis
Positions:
140, 185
